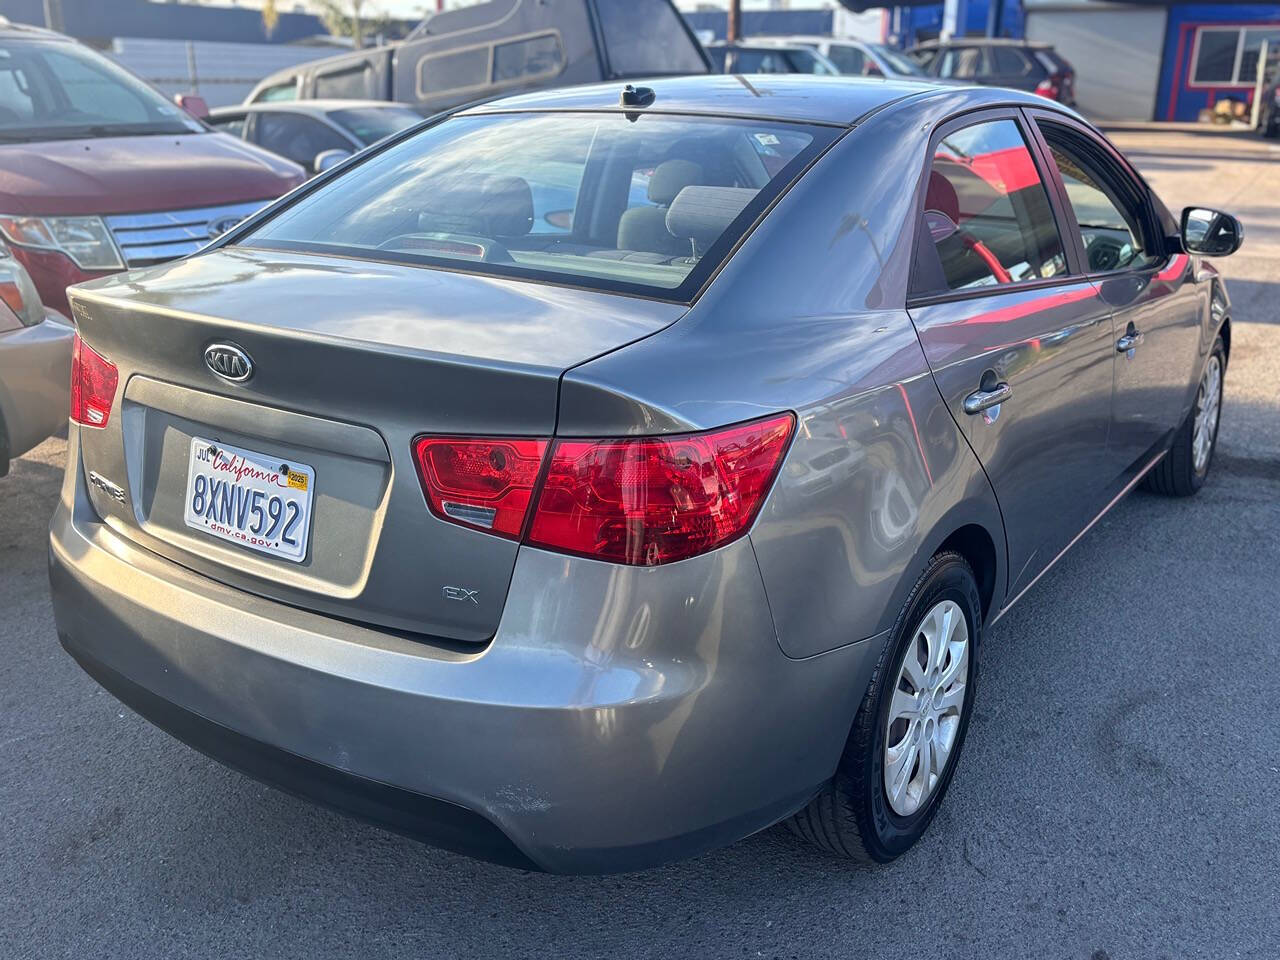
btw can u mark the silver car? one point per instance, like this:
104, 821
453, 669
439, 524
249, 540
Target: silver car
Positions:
35, 364
590, 478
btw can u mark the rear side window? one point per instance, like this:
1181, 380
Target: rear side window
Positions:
963, 63
1010, 61
647, 37
650, 205
848, 59
354, 83
532, 57
987, 220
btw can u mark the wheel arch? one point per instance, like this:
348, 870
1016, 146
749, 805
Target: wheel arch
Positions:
974, 529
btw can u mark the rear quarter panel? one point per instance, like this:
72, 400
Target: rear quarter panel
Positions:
809, 316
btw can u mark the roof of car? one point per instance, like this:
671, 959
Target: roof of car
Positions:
782, 96
804, 38
983, 42
305, 106
10, 29
756, 43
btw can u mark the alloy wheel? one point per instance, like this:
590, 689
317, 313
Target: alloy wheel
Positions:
926, 706
1208, 402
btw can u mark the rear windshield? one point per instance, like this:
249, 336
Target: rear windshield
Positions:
57, 91
650, 205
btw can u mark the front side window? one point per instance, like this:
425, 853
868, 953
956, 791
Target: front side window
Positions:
297, 137
371, 124
647, 206
1109, 216
55, 90
987, 214
279, 92
232, 125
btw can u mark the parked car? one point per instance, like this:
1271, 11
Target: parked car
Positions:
99, 172
502, 46
35, 364
314, 133
751, 57
852, 57
587, 550
998, 62
1269, 109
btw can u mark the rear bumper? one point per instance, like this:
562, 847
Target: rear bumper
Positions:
619, 718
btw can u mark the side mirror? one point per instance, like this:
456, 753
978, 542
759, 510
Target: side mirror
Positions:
326, 159
1210, 233
939, 225
194, 105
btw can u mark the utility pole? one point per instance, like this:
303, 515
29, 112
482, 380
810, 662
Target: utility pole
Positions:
734, 31
53, 15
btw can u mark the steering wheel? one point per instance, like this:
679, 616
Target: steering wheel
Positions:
1105, 253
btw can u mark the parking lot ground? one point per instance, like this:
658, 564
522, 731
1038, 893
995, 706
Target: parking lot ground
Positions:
1119, 796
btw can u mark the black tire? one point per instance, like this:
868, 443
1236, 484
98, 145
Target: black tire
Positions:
1176, 475
850, 816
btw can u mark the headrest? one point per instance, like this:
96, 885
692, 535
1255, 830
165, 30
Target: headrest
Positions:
941, 196
701, 214
670, 177
478, 204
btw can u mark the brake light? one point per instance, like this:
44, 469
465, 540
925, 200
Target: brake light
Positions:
652, 500
480, 482
1050, 87
93, 385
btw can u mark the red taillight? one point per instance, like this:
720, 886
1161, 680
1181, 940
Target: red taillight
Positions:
652, 500
1051, 87
93, 385
480, 482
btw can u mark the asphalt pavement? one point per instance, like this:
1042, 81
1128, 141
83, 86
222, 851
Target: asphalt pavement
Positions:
1118, 795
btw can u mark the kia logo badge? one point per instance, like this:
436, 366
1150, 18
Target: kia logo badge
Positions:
228, 361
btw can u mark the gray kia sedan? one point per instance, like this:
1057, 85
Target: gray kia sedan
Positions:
589, 478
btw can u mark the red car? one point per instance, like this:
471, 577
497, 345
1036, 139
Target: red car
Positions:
99, 172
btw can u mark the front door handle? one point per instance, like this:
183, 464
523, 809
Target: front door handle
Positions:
981, 400
1131, 340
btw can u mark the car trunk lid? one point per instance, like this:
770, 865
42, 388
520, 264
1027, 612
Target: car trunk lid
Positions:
351, 360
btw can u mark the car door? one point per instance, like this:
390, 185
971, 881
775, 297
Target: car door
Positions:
1019, 341
1157, 305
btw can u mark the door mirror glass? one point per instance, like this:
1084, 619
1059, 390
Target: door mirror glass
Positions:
330, 158
1210, 233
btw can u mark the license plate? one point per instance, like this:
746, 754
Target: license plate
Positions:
257, 500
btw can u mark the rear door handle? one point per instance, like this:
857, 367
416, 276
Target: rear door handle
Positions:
1129, 342
981, 400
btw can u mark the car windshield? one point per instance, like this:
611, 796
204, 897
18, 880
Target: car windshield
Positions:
371, 124
900, 63
648, 204
59, 90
